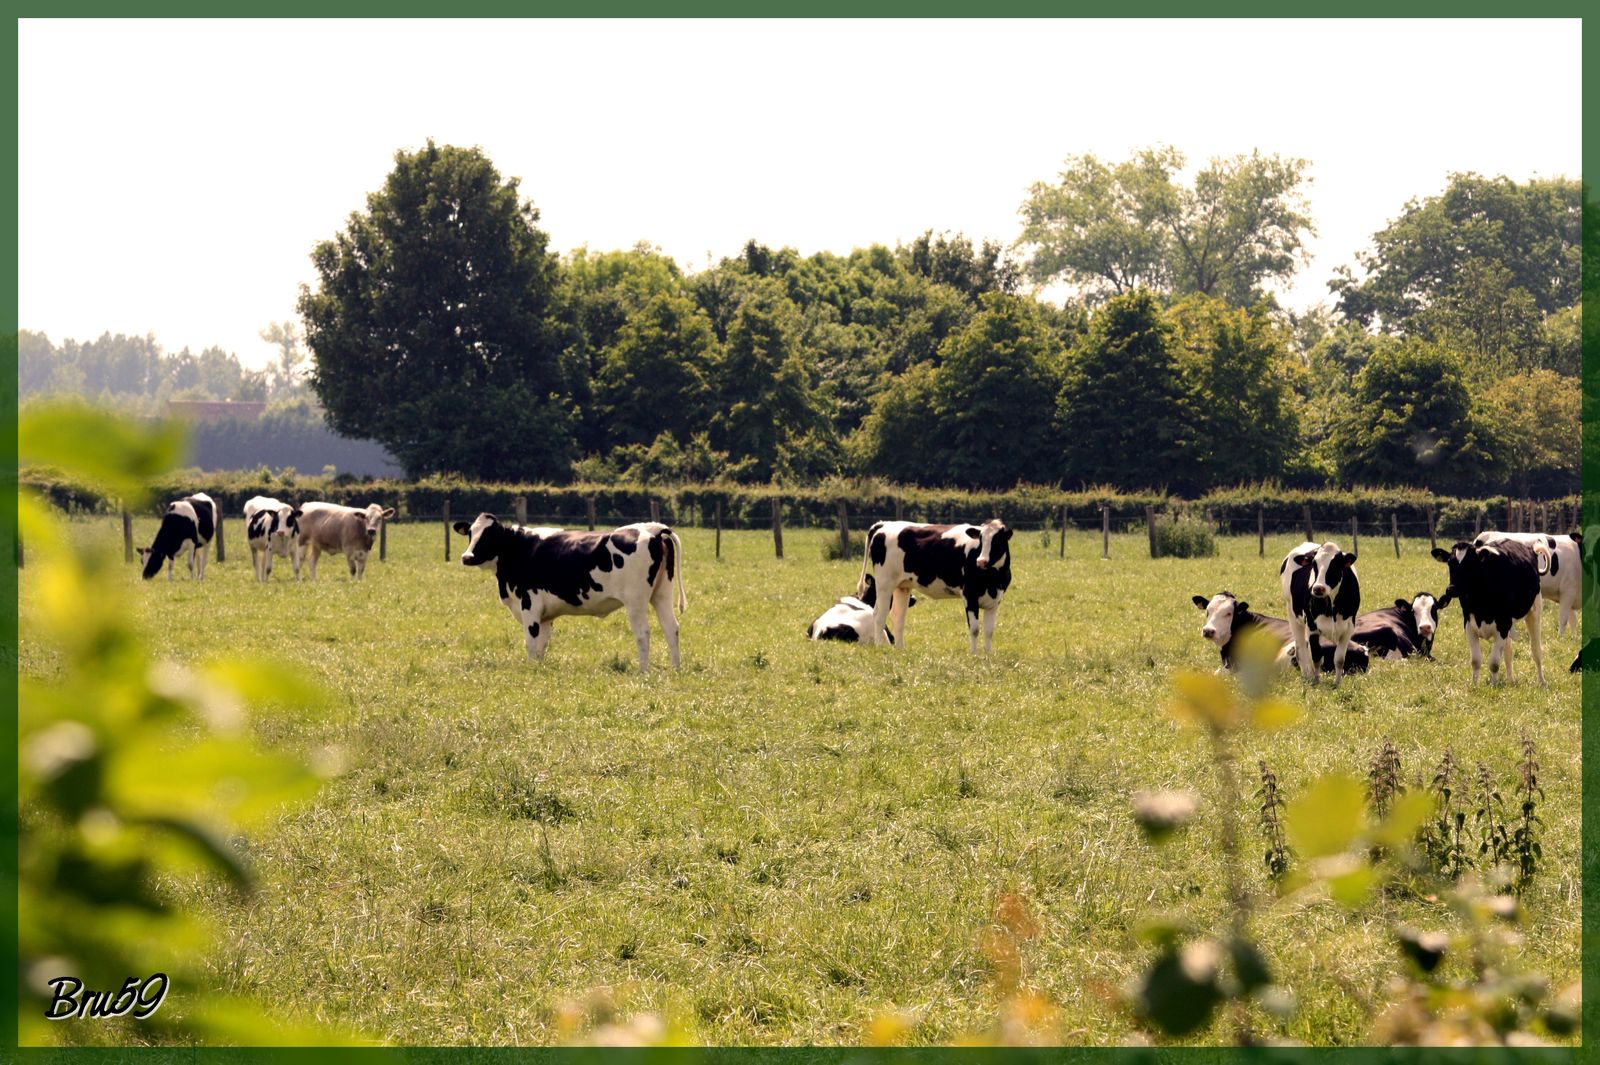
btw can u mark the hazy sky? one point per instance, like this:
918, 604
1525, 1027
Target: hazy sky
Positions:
173, 176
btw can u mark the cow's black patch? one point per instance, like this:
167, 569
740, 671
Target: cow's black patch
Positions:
1495, 585
657, 554
878, 546
625, 540
840, 632
930, 556
618, 559
1392, 630
533, 630
562, 564
262, 524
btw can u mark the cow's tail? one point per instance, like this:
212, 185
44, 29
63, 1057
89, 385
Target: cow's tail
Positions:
677, 549
866, 560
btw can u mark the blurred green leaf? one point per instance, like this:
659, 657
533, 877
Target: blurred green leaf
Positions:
1352, 885
1204, 699
1406, 816
118, 453
1270, 715
1327, 818
261, 682
209, 844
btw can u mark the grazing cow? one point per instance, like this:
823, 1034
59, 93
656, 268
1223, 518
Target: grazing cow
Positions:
1497, 584
1563, 584
188, 525
970, 562
850, 619
1323, 594
331, 527
273, 528
543, 574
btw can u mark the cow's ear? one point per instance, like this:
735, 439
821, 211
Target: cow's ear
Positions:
1201, 601
1576, 536
1349, 558
388, 512
1240, 606
1441, 554
463, 528
1305, 558
296, 514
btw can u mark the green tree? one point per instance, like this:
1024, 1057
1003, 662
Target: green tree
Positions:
284, 374
1234, 365
1112, 229
431, 327
1413, 421
1537, 421
1122, 404
653, 377
893, 440
764, 387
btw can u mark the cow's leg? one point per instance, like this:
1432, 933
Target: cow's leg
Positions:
350, 560
260, 564
881, 606
988, 627
188, 556
1302, 649
1568, 617
662, 600
639, 621
900, 602
536, 636
1474, 650
1535, 642
296, 554
171, 563
316, 553
1497, 650
200, 561
972, 625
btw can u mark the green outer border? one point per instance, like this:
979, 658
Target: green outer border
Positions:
916, 1056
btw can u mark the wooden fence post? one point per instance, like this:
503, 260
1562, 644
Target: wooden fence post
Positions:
1544, 517
383, 542
521, 505
719, 527
1261, 531
1433, 541
447, 530
1511, 524
1105, 533
1394, 531
1311, 533
655, 511
844, 532
1477, 522
777, 526
1150, 526
1355, 542
127, 537
899, 509
589, 506
222, 553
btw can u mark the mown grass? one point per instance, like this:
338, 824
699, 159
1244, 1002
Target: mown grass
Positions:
787, 838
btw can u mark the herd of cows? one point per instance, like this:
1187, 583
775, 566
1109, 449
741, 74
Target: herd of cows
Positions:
542, 574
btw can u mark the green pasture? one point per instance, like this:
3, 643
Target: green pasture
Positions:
787, 839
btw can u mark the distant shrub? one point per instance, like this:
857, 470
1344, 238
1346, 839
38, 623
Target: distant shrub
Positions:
1185, 536
832, 553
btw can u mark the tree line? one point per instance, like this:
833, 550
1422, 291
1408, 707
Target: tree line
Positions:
443, 326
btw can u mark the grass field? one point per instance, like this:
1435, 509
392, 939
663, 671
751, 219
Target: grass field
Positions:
786, 839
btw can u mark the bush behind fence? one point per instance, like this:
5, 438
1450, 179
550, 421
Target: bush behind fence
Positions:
1238, 511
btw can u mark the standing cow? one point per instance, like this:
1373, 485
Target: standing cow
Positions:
1497, 584
1563, 583
969, 562
188, 525
543, 574
273, 528
1322, 592
331, 527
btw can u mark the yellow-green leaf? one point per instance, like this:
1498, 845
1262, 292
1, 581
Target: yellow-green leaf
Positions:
1327, 818
1406, 815
1204, 699
1270, 715
117, 453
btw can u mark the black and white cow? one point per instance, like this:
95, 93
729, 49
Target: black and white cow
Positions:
1563, 584
544, 574
1228, 618
273, 528
1497, 583
1322, 593
968, 562
187, 526
850, 619
1400, 631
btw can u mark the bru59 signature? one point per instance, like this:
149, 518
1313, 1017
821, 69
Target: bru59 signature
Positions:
137, 997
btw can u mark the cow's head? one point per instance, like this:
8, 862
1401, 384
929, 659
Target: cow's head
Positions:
994, 544
150, 562
483, 539
1220, 611
374, 516
1424, 609
1329, 566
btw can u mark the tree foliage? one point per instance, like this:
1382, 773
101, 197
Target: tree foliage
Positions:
432, 324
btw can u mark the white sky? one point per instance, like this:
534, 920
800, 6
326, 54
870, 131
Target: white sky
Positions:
173, 176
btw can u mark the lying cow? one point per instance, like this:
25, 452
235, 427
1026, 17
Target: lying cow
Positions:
331, 527
1228, 620
1400, 631
969, 562
1563, 584
1323, 593
543, 574
1497, 584
850, 619
188, 525
273, 528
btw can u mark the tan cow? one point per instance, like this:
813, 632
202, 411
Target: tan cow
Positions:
331, 527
